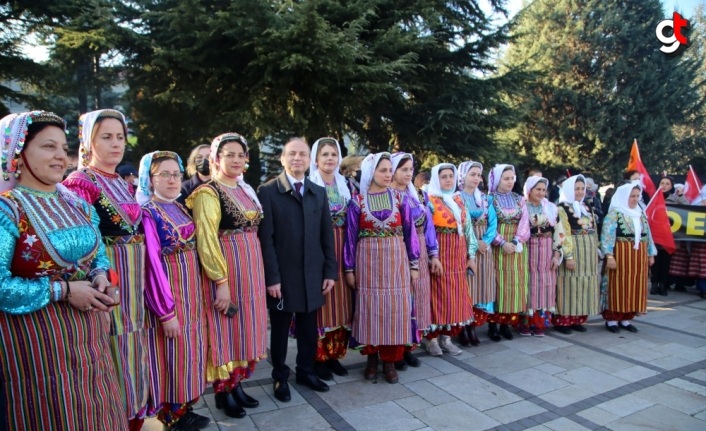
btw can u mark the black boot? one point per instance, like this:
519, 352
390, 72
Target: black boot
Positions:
463, 337
505, 332
663, 289
244, 399
471, 330
493, 333
655, 289
226, 402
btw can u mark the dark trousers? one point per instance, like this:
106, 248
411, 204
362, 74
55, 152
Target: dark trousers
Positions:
307, 336
660, 269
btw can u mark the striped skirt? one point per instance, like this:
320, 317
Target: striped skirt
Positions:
128, 338
451, 302
243, 338
421, 288
338, 308
679, 266
542, 286
383, 304
697, 261
627, 284
56, 372
483, 286
511, 275
577, 291
178, 365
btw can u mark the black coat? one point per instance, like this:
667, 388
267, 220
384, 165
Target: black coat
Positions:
187, 187
297, 243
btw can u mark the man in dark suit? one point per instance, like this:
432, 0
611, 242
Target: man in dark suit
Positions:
300, 264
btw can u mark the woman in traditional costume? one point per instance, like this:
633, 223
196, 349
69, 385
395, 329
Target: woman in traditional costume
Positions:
227, 214
56, 372
381, 260
102, 138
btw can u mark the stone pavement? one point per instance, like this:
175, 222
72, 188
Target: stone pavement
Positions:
653, 379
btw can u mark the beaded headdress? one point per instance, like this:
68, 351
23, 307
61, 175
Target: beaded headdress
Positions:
14, 132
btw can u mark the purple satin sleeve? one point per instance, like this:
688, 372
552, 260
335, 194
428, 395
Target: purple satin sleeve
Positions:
411, 239
523, 228
158, 294
351, 240
430, 234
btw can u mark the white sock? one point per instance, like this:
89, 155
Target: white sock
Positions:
612, 323
625, 322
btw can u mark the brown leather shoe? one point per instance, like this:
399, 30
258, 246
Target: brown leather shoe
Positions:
388, 369
371, 369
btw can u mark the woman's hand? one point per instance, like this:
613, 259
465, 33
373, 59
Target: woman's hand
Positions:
414, 273
471, 264
509, 247
172, 328
435, 266
85, 298
482, 246
570, 264
556, 261
651, 260
610, 263
222, 300
101, 283
350, 280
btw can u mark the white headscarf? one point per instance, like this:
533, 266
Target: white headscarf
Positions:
567, 195
548, 208
620, 202
144, 192
495, 174
367, 169
434, 189
13, 129
315, 176
396, 159
463, 169
86, 123
234, 137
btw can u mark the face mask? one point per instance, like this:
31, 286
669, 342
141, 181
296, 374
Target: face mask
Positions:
204, 168
136, 182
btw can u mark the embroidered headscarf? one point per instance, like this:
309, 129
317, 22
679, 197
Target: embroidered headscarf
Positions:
463, 170
367, 169
567, 195
315, 176
620, 202
495, 174
434, 189
144, 189
86, 126
14, 132
396, 159
548, 208
216, 145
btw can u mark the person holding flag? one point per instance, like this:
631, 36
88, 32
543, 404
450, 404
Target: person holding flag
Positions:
627, 244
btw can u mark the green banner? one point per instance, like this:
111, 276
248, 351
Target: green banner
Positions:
688, 222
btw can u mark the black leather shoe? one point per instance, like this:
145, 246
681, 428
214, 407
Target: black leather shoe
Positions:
226, 402
281, 390
612, 328
579, 328
411, 360
463, 338
244, 399
401, 365
194, 420
336, 367
182, 425
628, 327
679, 288
563, 329
312, 382
322, 371
471, 330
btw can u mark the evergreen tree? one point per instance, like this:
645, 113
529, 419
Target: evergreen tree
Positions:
601, 82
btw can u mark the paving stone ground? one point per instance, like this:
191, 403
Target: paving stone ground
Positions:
652, 379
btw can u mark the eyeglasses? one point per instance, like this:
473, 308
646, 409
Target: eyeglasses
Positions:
165, 176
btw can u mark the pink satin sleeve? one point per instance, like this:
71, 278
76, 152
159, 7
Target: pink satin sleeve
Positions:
158, 293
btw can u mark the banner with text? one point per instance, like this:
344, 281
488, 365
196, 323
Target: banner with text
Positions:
688, 222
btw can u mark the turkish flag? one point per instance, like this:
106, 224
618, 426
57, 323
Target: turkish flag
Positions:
692, 187
658, 220
635, 164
